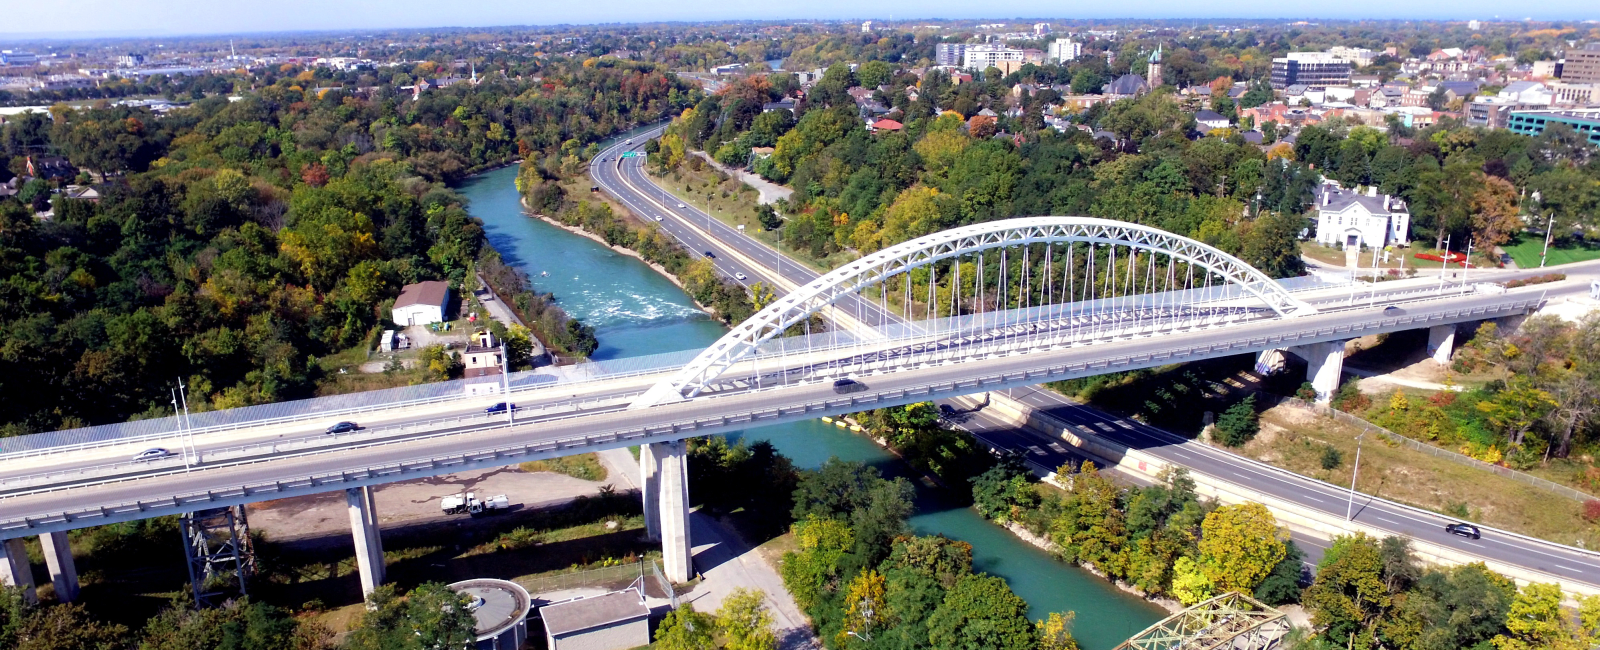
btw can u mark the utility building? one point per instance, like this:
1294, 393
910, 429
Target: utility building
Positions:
422, 303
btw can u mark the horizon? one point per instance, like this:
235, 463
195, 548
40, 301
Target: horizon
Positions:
135, 19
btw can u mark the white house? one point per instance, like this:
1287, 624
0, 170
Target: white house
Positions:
1209, 119
1351, 218
422, 303
484, 364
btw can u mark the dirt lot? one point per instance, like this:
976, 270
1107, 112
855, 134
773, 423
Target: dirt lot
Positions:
414, 502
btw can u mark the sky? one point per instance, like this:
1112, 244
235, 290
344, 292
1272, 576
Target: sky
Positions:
75, 18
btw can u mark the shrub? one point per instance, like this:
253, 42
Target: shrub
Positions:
1239, 423
1591, 510
1331, 458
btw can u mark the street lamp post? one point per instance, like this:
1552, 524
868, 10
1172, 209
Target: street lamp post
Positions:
1549, 229
188, 425
1350, 507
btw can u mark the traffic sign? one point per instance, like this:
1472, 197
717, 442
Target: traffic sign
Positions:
632, 154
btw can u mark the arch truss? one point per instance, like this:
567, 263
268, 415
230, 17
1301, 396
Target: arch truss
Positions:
948, 248
1233, 621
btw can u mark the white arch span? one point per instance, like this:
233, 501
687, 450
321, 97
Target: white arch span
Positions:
901, 258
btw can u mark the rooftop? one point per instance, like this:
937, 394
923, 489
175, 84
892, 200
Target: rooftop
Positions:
496, 604
592, 612
431, 292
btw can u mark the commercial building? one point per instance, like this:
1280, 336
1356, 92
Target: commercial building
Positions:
1351, 218
615, 621
982, 57
1585, 121
1314, 69
1360, 56
421, 303
1064, 49
952, 54
500, 609
1582, 66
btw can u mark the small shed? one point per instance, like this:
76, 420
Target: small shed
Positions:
615, 621
500, 609
422, 303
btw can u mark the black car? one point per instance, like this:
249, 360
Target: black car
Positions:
1468, 531
1392, 310
947, 410
845, 386
710, 255
499, 408
343, 427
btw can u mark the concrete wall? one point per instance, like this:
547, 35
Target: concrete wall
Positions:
1294, 516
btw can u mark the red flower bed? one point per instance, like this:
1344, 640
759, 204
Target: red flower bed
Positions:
1455, 258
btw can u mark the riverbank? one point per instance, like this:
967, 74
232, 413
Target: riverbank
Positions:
710, 311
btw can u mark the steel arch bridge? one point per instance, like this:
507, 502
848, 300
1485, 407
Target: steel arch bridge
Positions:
877, 268
1233, 621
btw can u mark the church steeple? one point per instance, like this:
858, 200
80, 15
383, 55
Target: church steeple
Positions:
1154, 72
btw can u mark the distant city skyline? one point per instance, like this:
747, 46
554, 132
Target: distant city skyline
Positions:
157, 18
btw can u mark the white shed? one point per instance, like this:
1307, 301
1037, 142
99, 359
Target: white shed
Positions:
422, 303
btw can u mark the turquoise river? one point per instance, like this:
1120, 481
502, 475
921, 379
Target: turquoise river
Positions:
636, 311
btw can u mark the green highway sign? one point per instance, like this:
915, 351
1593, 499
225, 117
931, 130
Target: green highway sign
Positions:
632, 154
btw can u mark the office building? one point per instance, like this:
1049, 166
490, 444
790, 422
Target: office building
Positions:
950, 54
1064, 49
1582, 66
1313, 69
1585, 121
982, 57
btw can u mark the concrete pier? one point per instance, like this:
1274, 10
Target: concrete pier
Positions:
15, 570
672, 464
368, 541
1442, 343
1324, 365
63, 571
650, 487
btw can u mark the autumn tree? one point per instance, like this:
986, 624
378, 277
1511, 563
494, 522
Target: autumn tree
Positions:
1239, 546
981, 613
745, 622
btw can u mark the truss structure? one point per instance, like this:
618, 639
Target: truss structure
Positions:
877, 268
220, 555
1233, 621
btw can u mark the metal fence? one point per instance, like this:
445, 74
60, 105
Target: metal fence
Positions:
1417, 445
644, 574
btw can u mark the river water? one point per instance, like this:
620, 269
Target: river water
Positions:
636, 311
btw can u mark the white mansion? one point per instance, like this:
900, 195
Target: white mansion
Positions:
1351, 218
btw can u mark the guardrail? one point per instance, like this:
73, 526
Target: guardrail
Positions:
317, 442
699, 426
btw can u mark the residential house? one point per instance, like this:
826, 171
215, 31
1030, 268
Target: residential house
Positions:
1207, 120
485, 363
422, 303
51, 168
885, 125
1353, 218
785, 104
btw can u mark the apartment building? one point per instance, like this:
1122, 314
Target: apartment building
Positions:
1314, 69
1582, 66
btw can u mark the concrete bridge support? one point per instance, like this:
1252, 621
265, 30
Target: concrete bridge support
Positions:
369, 544
650, 482
1324, 365
63, 571
1269, 362
671, 460
1442, 343
15, 570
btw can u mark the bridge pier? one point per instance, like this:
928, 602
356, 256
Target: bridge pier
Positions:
1324, 365
650, 487
15, 569
369, 544
1442, 343
671, 465
1269, 362
63, 571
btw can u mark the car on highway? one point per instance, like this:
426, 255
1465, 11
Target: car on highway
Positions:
658, 217
499, 408
710, 255
682, 205
847, 385
740, 276
1392, 310
343, 427
153, 453
1468, 531
630, 141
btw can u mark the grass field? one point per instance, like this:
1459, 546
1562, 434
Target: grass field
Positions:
1525, 250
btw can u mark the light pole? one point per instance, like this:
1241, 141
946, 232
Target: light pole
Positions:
188, 425
1349, 509
178, 415
505, 383
1549, 229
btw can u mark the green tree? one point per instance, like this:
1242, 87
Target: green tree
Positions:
745, 622
864, 603
686, 629
1239, 424
1055, 632
1282, 584
981, 613
1517, 407
1239, 546
1348, 597
429, 616
1272, 245
1190, 582
1535, 622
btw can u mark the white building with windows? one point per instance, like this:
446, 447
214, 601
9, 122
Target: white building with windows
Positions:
1367, 219
1064, 49
422, 303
